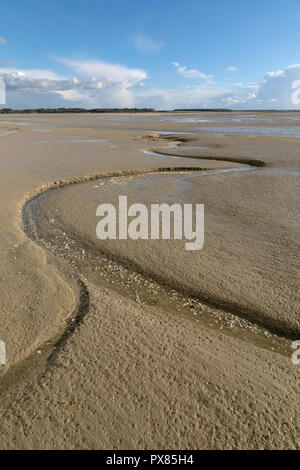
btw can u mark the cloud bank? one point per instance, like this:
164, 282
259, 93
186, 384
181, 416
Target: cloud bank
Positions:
100, 84
280, 88
92, 84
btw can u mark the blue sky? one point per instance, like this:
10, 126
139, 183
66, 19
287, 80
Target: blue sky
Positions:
165, 54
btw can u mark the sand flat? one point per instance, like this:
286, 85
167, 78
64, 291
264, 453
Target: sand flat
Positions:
135, 374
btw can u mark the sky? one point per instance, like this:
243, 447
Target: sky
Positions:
164, 54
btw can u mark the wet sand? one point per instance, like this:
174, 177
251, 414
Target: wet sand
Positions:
141, 344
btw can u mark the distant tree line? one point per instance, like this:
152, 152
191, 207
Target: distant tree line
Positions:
204, 110
223, 110
75, 110
136, 110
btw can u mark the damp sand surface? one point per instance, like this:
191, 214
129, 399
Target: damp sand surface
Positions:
285, 124
135, 345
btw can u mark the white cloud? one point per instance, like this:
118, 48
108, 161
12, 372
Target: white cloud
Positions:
278, 73
96, 84
3, 41
232, 69
281, 86
106, 73
191, 73
31, 80
99, 84
146, 44
183, 97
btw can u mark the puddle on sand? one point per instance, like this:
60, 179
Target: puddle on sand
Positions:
171, 132
3, 134
192, 161
159, 155
77, 141
16, 123
167, 158
192, 147
70, 141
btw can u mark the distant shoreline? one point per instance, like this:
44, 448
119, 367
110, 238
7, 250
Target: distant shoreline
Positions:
136, 110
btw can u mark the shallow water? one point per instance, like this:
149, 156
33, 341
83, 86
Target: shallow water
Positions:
183, 180
230, 124
191, 161
3, 134
16, 123
77, 141
181, 117
193, 147
255, 131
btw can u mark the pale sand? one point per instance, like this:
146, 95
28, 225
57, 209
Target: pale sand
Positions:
134, 373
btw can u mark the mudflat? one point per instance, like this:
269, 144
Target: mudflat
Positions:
141, 344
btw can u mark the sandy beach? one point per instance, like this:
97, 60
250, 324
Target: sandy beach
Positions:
124, 344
